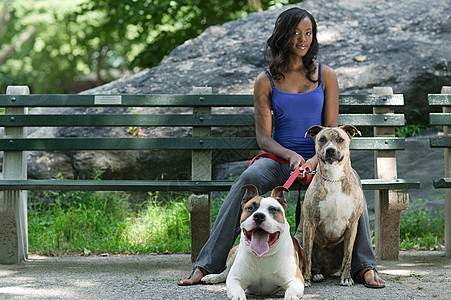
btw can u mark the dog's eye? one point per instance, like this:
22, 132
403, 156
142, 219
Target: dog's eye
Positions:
273, 210
341, 140
250, 208
322, 140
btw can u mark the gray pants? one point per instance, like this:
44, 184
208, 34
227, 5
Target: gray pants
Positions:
266, 174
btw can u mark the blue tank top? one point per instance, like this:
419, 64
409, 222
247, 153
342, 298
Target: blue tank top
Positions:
294, 114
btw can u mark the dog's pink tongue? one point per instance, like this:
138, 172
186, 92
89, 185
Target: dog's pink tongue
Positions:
259, 243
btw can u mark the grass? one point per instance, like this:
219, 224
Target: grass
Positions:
107, 222
421, 228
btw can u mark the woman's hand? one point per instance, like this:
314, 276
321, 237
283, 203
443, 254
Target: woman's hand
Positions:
308, 166
295, 160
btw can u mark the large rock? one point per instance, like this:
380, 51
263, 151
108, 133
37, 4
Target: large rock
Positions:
406, 43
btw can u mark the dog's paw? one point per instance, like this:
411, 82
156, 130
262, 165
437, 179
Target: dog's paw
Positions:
294, 291
318, 277
212, 278
307, 283
346, 281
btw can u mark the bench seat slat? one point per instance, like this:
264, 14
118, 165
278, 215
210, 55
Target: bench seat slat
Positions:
440, 119
440, 142
168, 185
180, 120
442, 183
171, 100
185, 143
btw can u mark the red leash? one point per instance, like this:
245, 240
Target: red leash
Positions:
305, 180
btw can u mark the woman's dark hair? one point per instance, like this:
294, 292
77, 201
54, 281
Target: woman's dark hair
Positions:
280, 40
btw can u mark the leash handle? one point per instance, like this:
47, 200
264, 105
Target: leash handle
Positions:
307, 174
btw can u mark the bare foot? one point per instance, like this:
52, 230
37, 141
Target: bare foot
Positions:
194, 277
372, 278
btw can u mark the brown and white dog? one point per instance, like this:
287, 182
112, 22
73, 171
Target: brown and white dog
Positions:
332, 207
268, 258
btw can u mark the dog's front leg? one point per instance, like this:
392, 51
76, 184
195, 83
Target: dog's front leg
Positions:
349, 239
295, 290
308, 238
234, 289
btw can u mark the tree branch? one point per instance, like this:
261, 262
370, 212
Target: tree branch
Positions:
12, 48
4, 17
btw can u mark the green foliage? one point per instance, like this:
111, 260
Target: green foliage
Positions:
410, 130
104, 222
83, 43
421, 228
73, 221
80, 221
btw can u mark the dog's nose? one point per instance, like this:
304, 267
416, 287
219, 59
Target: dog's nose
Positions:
259, 218
330, 151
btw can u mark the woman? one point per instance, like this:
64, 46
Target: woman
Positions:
300, 93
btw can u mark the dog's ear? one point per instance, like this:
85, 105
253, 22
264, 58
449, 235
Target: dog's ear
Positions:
278, 194
251, 192
314, 130
351, 131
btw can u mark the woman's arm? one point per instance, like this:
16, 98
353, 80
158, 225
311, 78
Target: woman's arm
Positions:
263, 123
330, 85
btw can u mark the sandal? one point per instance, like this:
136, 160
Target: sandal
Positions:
361, 279
182, 282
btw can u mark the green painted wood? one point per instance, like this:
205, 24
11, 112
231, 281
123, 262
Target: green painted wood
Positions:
180, 120
168, 185
439, 99
380, 120
172, 100
372, 100
442, 183
151, 100
186, 143
440, 142
377, 143
440, 119
117, 120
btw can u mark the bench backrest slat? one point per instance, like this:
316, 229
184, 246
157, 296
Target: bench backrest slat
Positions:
439, 99
186, 143
169, 100
440, 119
181, 120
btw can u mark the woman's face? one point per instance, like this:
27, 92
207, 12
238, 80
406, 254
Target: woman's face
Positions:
302, 37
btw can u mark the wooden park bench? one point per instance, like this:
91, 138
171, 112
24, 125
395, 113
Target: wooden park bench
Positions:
392, 193
444, 141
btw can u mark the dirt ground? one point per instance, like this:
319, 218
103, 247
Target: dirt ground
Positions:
416, 275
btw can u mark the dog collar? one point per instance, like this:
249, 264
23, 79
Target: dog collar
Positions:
330, 180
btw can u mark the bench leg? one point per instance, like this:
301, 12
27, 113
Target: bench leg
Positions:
199, 208
13, 227
448, 222
388, 208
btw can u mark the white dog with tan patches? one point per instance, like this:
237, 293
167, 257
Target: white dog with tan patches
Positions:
268, 258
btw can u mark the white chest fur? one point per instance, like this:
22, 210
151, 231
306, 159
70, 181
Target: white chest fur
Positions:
335, 210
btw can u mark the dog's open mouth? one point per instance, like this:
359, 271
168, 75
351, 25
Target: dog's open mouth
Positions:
260, 241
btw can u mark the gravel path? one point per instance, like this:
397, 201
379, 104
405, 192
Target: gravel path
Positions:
416, 275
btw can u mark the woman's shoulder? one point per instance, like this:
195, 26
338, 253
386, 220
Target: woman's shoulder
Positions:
263, 78
328, 74
326, 70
